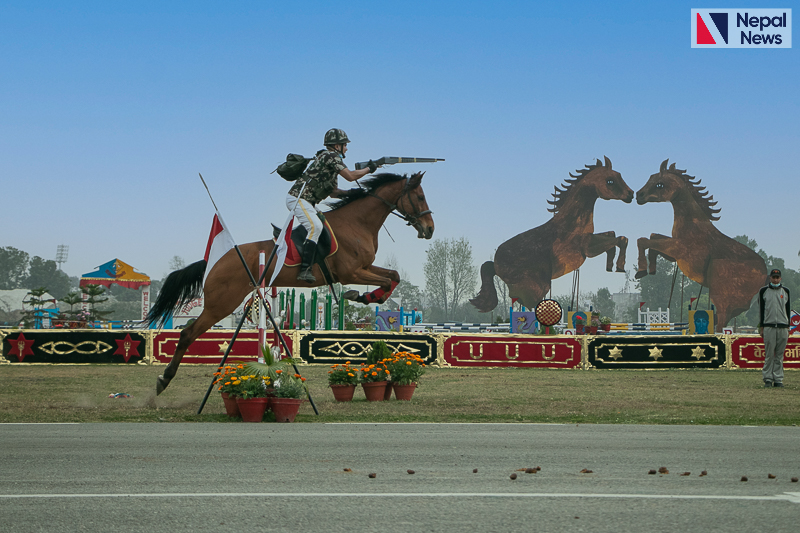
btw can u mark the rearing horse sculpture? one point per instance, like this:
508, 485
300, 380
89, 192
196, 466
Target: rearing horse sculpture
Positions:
732, 272
356, 217
528, 262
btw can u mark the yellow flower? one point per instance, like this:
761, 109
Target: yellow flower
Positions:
408, 362
350, 374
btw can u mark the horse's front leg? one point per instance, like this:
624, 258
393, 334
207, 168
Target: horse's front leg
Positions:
656, 244
386, 280
608, 242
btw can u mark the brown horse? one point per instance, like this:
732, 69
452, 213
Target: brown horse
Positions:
527, 262
732, 272
355, 219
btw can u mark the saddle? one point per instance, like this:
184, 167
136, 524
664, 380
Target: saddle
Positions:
327, 245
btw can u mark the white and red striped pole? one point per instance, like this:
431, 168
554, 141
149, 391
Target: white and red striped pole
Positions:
262, 316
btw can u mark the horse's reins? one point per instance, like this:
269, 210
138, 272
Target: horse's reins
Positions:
411, 220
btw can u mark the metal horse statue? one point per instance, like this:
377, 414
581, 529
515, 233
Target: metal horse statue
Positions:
355, 219
528, 262
732, 272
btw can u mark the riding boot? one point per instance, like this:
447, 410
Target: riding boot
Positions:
307, 264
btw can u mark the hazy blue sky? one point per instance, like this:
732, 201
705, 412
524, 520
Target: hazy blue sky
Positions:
109, 110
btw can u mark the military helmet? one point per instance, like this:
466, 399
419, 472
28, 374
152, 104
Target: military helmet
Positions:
335, 136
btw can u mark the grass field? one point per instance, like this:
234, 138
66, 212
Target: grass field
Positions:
61, 393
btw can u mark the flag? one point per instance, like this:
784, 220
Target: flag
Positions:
641, 304
283, 246
219, 242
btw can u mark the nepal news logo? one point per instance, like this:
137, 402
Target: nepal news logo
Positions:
741, 28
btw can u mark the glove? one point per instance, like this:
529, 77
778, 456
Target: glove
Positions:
372, 166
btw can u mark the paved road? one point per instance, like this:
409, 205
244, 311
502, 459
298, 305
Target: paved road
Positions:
271, 477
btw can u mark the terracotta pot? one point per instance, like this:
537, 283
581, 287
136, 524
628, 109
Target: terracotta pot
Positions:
375, 392
579, 329
343, 393
592, 330
606, 327
231, 407
285, 409
388, 394
252, 409
404, 392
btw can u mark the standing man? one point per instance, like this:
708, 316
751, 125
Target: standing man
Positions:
317, 183
774, 308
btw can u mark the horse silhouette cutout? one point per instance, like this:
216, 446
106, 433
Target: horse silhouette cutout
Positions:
732, 271
356, 217
529, 261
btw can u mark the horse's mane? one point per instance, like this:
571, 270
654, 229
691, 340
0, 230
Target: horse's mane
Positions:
699, 193
560, 196
369, 185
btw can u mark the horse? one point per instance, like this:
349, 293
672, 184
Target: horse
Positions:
732, 271
355, 218
529, 261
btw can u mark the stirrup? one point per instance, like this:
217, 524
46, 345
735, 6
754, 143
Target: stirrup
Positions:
307, 275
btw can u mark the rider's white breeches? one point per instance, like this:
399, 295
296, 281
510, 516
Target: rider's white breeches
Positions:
306, 214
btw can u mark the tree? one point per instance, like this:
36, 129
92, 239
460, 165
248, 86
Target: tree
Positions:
72, 298
94, 295
45, 272
450, 273
176, 263
33, 315
602, 303
13, 268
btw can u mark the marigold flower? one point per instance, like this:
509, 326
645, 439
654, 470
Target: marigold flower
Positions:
408, 363
374, 373
302, 379
351, 374
297, 375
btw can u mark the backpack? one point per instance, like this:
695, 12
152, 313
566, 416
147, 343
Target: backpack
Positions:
293, 168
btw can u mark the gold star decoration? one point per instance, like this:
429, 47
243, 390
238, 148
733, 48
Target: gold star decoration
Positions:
698, 352
615, 353
223, 346
655, 353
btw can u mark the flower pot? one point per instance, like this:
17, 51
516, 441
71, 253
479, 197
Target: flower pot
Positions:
388, 394
285, 409
252, 409
579, 329
606, 327
231, 407
343, 393
592, 330
404, 392
375, 392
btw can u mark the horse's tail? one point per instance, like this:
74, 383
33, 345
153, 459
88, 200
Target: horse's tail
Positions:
486, 300
180, 288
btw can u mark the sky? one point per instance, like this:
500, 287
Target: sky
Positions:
110, 110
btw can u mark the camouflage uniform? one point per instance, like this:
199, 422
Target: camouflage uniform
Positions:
321, 177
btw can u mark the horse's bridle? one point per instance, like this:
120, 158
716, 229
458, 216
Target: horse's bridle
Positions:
411, 220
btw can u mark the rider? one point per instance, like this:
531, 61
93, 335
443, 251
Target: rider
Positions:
317, 183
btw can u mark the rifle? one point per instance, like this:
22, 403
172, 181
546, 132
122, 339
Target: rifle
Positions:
393, 160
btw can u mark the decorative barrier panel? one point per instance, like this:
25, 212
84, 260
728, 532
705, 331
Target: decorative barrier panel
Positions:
748, 352
508, 350
74, 346
211, 345
656, 351
329, 347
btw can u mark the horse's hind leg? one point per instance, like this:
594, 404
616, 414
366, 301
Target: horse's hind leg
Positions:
188, 336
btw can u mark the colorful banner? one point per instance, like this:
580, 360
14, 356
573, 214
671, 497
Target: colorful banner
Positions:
748, 352
505, 350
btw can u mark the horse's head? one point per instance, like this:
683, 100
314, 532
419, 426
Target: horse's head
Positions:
414, 208
662, 186
609, 183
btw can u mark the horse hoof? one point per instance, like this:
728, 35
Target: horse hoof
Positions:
621, 270
161, 384
640, 274
351, 295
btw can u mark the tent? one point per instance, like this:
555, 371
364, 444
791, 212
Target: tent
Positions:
115, 271
121, 273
